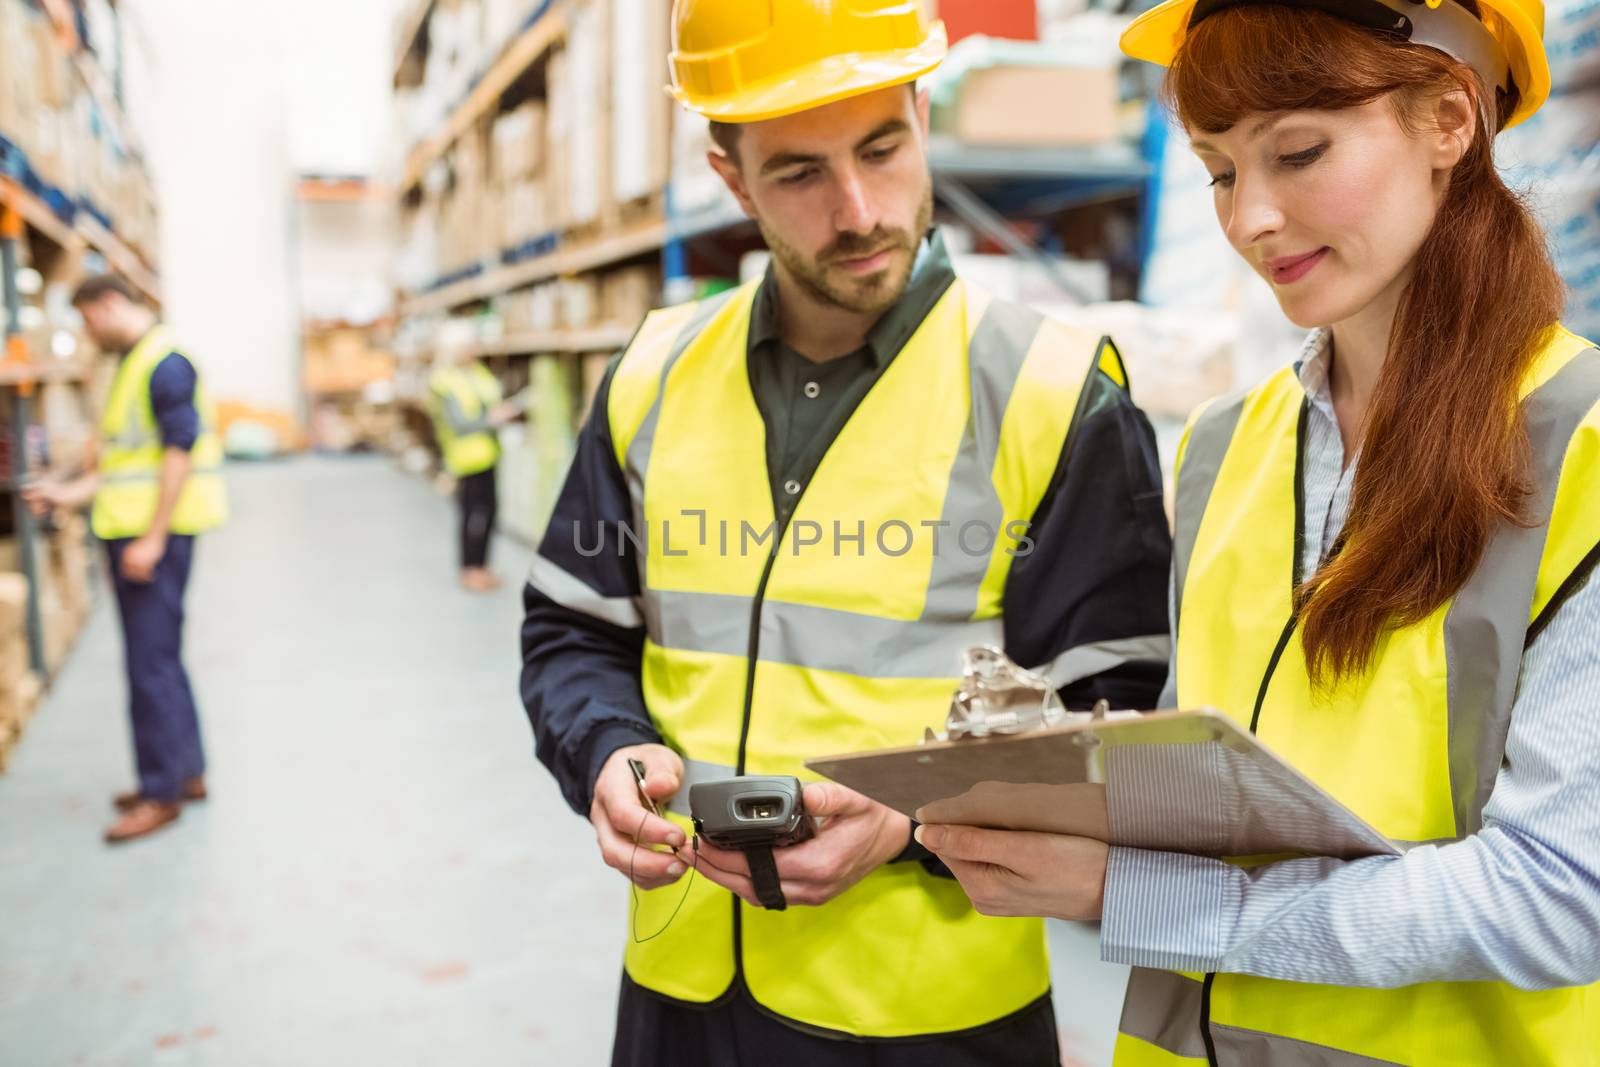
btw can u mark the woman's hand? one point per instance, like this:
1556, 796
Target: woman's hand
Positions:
1017, 872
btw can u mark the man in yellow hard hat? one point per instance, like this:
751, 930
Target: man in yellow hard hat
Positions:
793, 509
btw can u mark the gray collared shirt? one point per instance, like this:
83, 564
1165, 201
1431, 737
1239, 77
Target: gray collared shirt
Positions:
1515, 902
805, 404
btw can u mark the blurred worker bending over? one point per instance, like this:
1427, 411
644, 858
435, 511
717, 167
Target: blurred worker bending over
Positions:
155, 482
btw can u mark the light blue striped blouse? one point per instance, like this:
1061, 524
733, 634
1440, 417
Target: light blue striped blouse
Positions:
1517, 902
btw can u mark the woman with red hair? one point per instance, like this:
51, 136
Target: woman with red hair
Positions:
1382, 564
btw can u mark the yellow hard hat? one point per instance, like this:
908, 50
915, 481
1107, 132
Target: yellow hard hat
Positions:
749, 60
1508, 39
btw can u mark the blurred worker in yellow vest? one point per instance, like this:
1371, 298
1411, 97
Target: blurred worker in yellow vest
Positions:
794, 507
156, 483
468, 408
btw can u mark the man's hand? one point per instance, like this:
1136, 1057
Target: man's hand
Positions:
42, 497
48, 493
1018, 872
504, 413
854, 838
143, 554
620, 819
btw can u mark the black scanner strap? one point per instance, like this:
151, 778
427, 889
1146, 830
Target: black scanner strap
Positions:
764, 873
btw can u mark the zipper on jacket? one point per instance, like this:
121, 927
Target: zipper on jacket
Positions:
1205, 1019
1296, 579
752, 650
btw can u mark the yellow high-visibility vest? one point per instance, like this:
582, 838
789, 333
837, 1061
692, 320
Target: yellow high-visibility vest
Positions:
475, 390
842, 630
131, 452
1412, 746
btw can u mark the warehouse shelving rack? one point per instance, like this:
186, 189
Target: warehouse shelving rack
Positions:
66, 239
21, 373
986, 186
989, 188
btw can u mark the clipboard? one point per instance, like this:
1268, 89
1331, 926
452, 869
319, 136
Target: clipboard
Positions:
1174, 781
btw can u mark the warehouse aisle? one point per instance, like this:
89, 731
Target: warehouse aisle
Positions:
383, 874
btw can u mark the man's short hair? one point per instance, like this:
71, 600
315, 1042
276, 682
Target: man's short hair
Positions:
95, 286
725, 135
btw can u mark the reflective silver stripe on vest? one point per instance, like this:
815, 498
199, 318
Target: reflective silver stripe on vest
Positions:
571, 592
1164, 1009
1202, 463
133, 440
460, 423
995, 356
1085, 660
1487, 626
1251, 1048
695, 772
803, 635
154, 477
637, 461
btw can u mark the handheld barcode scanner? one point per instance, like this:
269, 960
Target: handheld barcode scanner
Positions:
753, 815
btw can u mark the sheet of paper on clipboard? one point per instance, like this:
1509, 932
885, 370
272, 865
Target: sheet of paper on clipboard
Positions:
1179, 781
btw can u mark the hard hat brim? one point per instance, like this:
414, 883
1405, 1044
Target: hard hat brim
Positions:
823, 82
1158, 34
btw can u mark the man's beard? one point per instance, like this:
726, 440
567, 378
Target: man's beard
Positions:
874, 293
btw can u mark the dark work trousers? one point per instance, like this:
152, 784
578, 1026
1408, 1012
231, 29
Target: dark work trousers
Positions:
655, 1032
476, 494
166, 726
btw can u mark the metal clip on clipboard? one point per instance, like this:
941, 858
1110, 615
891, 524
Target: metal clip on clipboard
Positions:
999, 697
1013, 757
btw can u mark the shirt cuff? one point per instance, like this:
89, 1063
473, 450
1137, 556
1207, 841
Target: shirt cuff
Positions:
599, 746
1168, 910
913, 849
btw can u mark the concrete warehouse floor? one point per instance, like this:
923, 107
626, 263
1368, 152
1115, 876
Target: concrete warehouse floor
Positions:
384, 873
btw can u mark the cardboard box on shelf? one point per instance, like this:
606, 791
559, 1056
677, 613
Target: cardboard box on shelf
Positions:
257, 427
628, 294
988, 91
641, 114
18, 83
544, 306
523, 212
518, 142
13, 602
593, 371
13, 661
52, 85
587, 96
557, 133
18, 702
999, 106
343, 361
579, 301
695, 186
